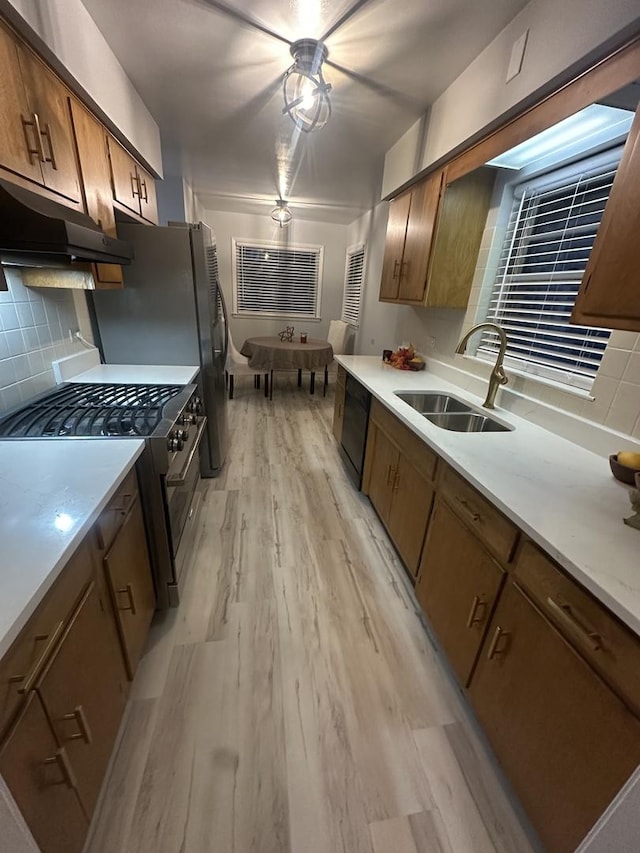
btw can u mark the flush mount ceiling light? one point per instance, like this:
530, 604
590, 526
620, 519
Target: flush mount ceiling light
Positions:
281, 213
306, 94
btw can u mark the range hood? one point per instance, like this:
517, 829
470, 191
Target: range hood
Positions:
35, 231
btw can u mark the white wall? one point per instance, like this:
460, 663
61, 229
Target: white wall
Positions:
259, 226
70, 32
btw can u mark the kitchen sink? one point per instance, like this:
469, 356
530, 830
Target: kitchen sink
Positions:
449, 412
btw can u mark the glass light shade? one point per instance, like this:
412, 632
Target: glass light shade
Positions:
281, 214
306, 93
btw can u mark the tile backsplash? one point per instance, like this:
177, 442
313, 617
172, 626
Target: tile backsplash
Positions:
34, 330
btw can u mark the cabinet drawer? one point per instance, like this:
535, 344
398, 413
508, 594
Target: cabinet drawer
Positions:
34, 645
497, 532
413, 448
113, 515
609, 647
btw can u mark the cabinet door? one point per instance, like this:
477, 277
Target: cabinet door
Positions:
124, 177
148, 201
41, 780
338, 411
18, 143
49, 100
610, 291
457, 587
83, 692
394, 246
409, 513
384, 461
91, 145
565, 740
129, 578
420, 231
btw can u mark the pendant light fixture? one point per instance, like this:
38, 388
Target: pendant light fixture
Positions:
306, 94
281, 213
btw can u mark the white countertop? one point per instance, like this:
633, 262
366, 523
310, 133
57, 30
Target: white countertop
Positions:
139, 374
46, 485
563, 496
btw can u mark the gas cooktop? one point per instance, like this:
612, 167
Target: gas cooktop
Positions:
81, 410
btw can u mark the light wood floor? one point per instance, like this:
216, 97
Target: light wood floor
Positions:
294, 701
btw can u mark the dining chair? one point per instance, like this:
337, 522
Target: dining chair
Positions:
238, 365
337, 337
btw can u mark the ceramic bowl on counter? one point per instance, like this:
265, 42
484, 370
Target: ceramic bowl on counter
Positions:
623, 472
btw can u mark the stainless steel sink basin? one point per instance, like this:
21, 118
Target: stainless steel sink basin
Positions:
449, 412
470, 422
432, 402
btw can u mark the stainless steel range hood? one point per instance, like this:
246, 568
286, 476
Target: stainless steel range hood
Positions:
35, 231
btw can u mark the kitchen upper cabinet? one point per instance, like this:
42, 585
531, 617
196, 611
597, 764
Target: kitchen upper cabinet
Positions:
410, 229
565, 740
610, 292
91, 144
84, 691
133, 187
398, 478
36, 141
458, 585
433, 239
42, 781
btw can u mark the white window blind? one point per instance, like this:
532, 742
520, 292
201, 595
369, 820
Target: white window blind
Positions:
275, 280
353, 283
551, 230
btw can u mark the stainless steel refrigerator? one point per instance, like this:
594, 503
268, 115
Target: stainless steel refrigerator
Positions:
171, 311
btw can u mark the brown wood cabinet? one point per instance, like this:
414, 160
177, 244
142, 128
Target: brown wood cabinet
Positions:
338, 405
398, 478
42, 782
93, 159
83, 691
610, 292
36, 140
128, 575
458, 586
133, 187
565, 740
433, 239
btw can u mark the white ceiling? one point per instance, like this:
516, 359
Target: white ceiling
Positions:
213, 84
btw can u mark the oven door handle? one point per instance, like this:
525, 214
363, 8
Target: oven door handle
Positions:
179, 479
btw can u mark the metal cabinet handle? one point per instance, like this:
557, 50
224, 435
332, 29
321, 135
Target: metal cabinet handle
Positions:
475, 516
142, 183
493, 648
84, 732
389, 471
404, 267
474, 618
30, 679
576, 625
62, 760
37, 133
396, 267
128, 591
396, 481
52, 157
136, 189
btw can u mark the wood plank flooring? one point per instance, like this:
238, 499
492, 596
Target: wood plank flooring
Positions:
294, 703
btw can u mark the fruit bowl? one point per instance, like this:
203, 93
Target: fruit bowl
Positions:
623, 472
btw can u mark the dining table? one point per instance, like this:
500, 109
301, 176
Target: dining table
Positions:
267, 354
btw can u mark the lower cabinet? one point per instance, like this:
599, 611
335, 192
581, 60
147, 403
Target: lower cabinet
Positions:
38, 772
565, 740
398, 478
458, 585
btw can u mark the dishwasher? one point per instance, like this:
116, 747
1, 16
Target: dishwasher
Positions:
354, 428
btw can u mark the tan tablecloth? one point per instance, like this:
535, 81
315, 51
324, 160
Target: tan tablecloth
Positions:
274, 354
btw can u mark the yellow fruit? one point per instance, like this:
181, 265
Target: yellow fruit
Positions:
629, 458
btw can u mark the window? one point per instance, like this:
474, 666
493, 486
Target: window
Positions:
353, 281
549, 236
271, 280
